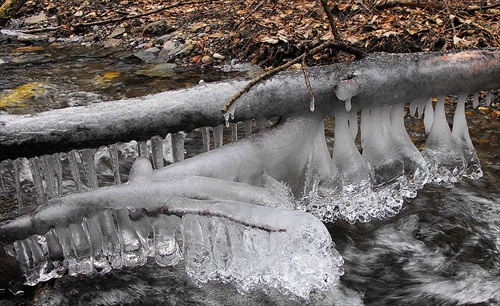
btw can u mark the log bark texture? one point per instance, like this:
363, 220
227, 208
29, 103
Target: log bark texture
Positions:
378, 79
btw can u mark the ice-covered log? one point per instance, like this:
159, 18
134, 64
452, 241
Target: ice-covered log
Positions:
378, 79
213, 228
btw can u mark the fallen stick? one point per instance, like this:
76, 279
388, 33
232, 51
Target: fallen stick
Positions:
378, 79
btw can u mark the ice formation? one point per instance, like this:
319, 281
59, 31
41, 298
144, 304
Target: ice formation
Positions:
218, 238
245, 204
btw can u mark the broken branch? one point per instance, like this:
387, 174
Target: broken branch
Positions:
328, 44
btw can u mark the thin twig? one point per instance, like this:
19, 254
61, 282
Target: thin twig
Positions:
328, 44
331, 20
308, 83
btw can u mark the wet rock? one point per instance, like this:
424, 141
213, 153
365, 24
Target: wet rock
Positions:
147, 55
20, 96
105, 80
163, 70
172, 49
113, 43
41, 17
157, 28
119, 31
164, 38
207, 60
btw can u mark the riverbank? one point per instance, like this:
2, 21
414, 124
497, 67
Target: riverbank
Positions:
266, 33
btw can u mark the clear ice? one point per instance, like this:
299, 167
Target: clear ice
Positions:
248, 212
290, 251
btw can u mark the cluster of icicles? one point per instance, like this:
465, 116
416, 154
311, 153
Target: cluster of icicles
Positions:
210, 247
374, 183
367, 185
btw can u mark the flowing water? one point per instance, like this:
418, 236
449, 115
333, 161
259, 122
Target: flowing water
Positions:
443, 248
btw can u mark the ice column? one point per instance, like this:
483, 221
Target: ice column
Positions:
178, 140
460, 133
441, 152
354, 172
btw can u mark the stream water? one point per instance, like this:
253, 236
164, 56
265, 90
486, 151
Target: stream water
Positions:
443, 248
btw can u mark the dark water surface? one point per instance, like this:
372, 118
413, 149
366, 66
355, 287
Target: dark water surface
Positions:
443, 248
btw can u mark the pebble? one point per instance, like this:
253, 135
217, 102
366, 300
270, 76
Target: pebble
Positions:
207, 60
218, 56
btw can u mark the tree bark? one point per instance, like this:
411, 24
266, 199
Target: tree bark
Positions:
9, 9
374, 81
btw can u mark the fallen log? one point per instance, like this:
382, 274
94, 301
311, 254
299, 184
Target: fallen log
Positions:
378, 79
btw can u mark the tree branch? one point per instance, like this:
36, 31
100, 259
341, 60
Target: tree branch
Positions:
331, 20
328, 44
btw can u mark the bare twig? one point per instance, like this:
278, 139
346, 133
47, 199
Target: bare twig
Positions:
331, 20
328, 44
308, 83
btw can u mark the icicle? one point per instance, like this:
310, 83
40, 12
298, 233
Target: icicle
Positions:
234, 132
25, 259
205, 135
354, 174
2, 169
178, 140
166, 248
48, 173
353, 124
487, 99
55, 254
218, 136
38, 258
247, 125
99, 258
81, 249
143, 149
17, 183
413, 108
58, 172
441, 153
311, 103
111, 246
229, 115
115, 163
133, 252
75, 170
365, 125
475, 100
197, 248
415, 166
421, 108
87, 156
461, 133
157, 151
37, 178
348, 104
167, 149
428, 116
380, 149
70, 260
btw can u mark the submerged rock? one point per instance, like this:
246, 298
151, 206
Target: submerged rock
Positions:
163, 70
